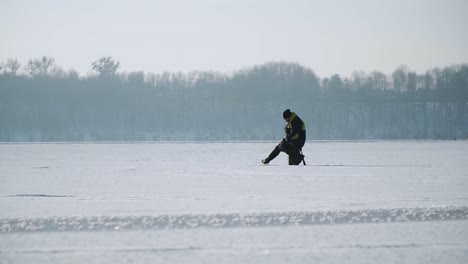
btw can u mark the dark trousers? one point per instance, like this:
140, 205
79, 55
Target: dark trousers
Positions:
295, 156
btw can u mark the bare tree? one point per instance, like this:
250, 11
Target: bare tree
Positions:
379, 81
11, 66
399, 77
106, 66
73, 74
411, 82
40, 67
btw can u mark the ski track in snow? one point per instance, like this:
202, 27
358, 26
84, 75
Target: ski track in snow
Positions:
39, 195
233, 220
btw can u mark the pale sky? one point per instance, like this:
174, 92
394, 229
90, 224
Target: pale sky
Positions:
329, 36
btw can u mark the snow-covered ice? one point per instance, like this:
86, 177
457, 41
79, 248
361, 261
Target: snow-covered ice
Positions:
380, 201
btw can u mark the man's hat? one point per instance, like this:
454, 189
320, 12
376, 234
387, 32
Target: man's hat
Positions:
286, 114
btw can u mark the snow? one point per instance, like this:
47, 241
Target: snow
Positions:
355, 202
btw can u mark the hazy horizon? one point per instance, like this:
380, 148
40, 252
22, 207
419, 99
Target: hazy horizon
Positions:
182, 36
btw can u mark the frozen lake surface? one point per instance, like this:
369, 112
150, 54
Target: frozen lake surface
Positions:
354, 202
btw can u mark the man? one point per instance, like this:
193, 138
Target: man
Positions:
293, 142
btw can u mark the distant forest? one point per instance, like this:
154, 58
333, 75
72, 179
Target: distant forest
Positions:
40, 101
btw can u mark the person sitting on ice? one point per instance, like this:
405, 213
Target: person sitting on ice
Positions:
293, 142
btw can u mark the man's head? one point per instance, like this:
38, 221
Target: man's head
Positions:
286, 114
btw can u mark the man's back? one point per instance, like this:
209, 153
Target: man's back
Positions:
295, 130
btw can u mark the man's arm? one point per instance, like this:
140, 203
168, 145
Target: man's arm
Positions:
296, 126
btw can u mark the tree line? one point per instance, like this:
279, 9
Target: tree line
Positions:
41, 101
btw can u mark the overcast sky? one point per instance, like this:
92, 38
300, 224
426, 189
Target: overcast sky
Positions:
330, 36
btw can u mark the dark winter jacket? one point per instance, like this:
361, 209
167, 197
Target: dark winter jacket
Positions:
295, 131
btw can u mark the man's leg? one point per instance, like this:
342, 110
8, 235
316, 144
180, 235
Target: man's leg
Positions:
273, 154
295, 156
